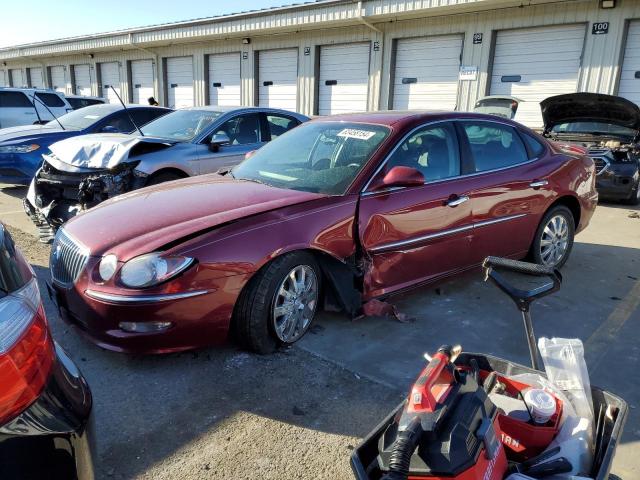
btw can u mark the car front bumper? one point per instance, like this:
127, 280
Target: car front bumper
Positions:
617, 181
17, 169
52, 438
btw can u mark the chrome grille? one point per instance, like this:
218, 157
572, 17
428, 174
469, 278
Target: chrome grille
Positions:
601, 164
67, 260
598, 155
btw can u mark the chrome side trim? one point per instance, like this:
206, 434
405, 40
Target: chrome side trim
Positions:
443, 233
129, 299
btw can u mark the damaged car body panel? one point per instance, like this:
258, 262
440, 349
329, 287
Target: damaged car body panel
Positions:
608, 128
81, 172
329, 199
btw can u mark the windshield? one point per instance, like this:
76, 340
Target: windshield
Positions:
321, 157
85, 117
594, 128
501, 107
181, 125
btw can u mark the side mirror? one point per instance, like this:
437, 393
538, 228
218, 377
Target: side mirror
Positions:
109, 129
218, 140
401, 177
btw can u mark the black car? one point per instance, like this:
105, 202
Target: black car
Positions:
608, 127
45, 404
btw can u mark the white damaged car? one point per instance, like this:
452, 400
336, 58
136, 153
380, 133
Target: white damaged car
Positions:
79, 173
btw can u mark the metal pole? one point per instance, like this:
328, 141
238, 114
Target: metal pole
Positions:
531, 339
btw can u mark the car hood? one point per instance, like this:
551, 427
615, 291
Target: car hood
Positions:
100, 150
593, 107
12, 134
148, 219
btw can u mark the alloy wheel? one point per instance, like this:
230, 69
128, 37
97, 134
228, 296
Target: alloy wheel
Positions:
555, 240
295, 303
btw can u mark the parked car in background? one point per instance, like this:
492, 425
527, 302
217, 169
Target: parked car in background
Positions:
18, 106
21, 148
340, 210
45, 404
79, 101
605, 127
502, 106
81, 172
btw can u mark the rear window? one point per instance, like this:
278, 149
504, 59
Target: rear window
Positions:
14, 273
536, 148
14, 99
50, 99
77, 103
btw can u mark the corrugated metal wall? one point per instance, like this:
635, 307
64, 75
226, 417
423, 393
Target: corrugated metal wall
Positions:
310, 26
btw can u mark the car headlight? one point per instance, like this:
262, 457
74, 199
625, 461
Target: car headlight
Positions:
152, 269
108, 266
19, 148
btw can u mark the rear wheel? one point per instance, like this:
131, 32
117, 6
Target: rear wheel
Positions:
554, 238
278, 305
162, 177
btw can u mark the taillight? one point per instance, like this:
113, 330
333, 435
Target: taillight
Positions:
26, 350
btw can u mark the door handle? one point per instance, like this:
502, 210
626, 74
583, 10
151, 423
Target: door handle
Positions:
539, 183
457, 200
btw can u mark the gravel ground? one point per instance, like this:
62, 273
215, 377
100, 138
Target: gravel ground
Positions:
219, 413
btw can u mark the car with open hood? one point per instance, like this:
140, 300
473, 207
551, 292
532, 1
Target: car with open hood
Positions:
21, 148
605, 127
79, 173
339, 211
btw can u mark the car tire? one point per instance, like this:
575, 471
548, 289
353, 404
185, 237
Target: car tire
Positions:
162, 177
634, 199
548, 244
256, 324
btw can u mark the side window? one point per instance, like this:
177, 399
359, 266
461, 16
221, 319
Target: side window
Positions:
433, 150
14, 99
494, 145
120, 121
279, 124
242, 130
144, 115
50, 99
535, 146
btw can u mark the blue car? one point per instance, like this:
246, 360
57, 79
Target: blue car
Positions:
21, 148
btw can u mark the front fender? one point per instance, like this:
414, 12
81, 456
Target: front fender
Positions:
181, 156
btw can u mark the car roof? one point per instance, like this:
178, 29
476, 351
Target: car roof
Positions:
396, 117
233, 108
30, 89
87, 97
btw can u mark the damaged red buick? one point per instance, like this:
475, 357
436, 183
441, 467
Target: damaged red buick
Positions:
341, 210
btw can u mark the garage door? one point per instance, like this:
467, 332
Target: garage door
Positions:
36, 77
535, 63
82, 76
3, 79
58, 82
17, 80
630, 77
278, 78
344, 78
224, 79
426, 73
180, 82
142, 81
110, 80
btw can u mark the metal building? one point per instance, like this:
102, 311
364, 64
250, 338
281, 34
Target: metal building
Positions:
334, 56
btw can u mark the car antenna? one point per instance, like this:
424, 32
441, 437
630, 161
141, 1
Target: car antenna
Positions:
48, 110
36, 108
126, 110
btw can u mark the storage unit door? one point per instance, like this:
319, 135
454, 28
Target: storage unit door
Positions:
36, 77
58, 83
82, 76
224, 79
278, 78
180, 82
535, 63
110, 80
17, 79
3, 79
426, 73
344, 78
630, 77
142, 81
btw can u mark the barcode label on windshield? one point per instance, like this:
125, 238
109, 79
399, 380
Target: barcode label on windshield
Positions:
355, 133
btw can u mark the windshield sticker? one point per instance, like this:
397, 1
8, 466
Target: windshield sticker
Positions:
91, 117
277, 176
355, 133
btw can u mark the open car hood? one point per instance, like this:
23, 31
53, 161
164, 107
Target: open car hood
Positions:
594, 107
99, 151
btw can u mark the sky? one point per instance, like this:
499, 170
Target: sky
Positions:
38, 20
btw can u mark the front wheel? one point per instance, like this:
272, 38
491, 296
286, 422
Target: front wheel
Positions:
278, 305
554, 238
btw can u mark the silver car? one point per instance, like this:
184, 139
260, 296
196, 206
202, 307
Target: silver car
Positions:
80, 172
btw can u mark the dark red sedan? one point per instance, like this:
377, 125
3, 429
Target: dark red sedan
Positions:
340, 210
